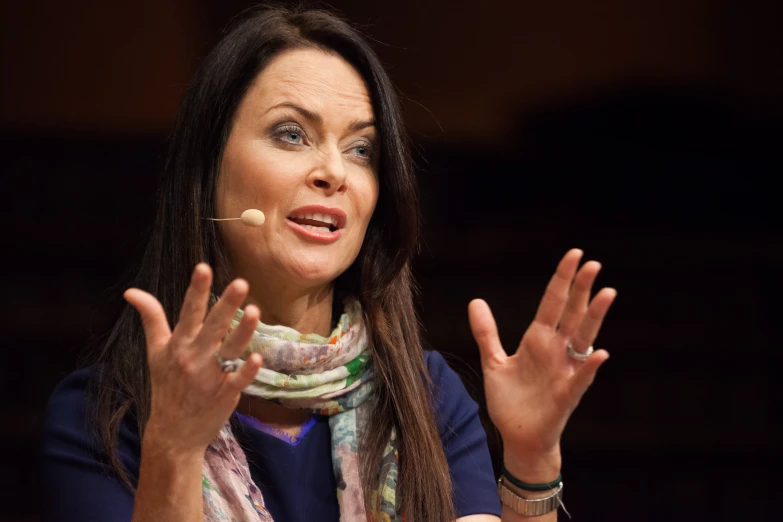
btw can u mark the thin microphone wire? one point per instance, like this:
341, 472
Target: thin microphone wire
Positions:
251, 217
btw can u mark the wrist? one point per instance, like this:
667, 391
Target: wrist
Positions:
159, 445
533, 469
170, 479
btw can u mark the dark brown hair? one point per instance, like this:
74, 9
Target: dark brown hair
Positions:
380, 278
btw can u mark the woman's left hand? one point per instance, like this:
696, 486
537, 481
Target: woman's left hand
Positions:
531, 394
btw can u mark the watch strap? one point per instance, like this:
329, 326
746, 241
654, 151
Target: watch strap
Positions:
529, 507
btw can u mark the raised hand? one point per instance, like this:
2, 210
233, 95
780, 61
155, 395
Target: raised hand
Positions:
192, 398
532, 393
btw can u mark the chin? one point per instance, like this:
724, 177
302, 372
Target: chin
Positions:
313, 274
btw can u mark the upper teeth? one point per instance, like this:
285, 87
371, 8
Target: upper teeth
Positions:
324, 218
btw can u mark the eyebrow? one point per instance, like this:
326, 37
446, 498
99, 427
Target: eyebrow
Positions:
354, 126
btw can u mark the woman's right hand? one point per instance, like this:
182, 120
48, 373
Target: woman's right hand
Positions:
192, 399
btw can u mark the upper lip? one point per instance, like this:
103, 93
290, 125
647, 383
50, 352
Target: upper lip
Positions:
336, 213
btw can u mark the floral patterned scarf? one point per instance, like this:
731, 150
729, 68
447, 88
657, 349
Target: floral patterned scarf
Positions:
329, 376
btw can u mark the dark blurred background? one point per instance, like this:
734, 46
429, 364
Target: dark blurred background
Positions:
646, 133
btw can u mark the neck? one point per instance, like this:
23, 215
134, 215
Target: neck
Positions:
306, 310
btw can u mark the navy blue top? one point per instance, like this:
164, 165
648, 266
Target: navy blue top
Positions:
295, 476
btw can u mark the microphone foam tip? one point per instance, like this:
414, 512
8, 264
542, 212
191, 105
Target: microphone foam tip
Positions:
253, 217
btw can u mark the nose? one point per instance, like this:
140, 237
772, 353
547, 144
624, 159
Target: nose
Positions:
330, 176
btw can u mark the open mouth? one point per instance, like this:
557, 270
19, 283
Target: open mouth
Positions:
316, 222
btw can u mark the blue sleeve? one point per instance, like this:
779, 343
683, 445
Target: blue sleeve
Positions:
464, 441
77, 484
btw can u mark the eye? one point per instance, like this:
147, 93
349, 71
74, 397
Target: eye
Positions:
290, 134
363, 150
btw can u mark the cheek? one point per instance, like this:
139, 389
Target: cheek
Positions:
259, 176
365, 201
367, 198
363, 188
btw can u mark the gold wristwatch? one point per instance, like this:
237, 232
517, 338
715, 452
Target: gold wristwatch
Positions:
530, 507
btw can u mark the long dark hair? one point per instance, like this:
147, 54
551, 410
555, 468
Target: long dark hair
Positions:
380, 278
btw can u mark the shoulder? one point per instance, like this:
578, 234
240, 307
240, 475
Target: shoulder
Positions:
438, 367
66, 412
464, 441
446, 383
77, 482
69, 426
452, 402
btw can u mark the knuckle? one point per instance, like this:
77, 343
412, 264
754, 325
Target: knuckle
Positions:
155, 341
178, 342
190, 371
191, 306
566, 328
582, 285
594, 315
550, 296
184, 362
237, 382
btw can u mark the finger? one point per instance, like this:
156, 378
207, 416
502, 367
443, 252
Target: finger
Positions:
585, 375
485, 331
556, 294
194, 306
236, 342
593, 319
220, 316
153, 318
243, 377
579, 298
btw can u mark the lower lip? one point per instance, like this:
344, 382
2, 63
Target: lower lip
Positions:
323, 237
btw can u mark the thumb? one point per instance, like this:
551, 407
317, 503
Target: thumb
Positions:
153, 318
485, 331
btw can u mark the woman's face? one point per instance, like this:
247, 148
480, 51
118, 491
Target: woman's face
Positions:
302, 150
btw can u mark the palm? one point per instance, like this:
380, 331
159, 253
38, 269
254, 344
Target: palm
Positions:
531, 394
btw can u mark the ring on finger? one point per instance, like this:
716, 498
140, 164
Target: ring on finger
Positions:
579, 356
227, 365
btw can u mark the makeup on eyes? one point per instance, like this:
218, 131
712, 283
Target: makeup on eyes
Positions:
282, 130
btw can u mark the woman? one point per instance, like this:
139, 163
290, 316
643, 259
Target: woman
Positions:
335, 412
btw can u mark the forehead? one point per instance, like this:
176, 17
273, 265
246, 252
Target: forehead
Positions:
316, 80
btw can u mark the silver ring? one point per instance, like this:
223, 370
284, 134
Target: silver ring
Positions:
581, 357
227, 365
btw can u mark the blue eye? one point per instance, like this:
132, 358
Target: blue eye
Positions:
364, 151
292, 135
